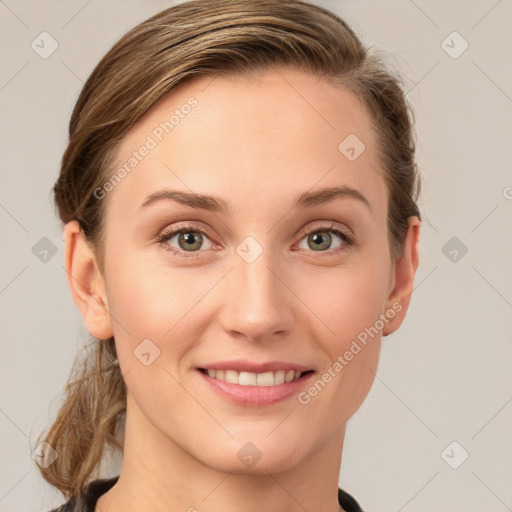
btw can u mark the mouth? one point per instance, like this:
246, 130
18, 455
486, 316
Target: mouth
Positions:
250, 389
265, 379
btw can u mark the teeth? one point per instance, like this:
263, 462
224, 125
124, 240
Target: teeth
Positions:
254, 379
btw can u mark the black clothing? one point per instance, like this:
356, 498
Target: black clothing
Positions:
98, 487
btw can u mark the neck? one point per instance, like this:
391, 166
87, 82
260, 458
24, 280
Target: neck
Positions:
160, 475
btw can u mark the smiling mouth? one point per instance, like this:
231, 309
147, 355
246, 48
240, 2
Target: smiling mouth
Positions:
255, 379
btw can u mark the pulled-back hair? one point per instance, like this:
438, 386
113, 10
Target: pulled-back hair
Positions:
201, 37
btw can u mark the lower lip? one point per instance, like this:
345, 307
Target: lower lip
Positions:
256, 396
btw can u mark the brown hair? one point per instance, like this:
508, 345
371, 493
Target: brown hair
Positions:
199, 37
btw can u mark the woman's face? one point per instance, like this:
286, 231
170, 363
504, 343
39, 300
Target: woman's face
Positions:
271, 277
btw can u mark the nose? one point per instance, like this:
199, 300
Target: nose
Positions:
259, 302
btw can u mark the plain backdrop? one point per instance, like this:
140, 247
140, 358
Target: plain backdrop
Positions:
443, 390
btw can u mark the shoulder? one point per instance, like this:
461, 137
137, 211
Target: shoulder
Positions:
348, 502
69, 506
62, 508
98, 487
87, 503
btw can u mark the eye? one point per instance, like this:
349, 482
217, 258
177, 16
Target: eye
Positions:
188, 238
320, 239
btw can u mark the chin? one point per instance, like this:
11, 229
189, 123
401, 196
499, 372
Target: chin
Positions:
246, 455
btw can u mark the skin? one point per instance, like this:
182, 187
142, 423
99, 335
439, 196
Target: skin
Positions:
256, 143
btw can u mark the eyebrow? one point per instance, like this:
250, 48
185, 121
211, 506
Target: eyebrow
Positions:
215, 204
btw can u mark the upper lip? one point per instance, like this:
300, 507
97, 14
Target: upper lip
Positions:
242, 365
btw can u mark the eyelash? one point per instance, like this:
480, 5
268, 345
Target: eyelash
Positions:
166, 235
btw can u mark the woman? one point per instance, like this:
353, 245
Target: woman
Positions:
239, 199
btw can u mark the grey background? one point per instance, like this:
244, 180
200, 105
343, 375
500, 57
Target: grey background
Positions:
444, 376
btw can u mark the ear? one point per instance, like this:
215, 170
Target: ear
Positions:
403, 278
86, 282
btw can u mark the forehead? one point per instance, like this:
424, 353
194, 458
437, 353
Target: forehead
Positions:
253, 140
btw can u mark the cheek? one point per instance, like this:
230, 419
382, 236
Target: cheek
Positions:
168, 306
348, 305
350, 378
155, 313
149, 299
345, 301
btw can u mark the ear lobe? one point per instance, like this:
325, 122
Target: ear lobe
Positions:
404, 272
86, 282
